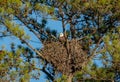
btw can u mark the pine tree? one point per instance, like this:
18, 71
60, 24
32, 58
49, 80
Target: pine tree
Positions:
91, 32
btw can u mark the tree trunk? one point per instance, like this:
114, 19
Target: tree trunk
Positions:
70, 77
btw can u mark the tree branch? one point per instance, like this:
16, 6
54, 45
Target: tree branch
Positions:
37, 35
93, 53
49, 75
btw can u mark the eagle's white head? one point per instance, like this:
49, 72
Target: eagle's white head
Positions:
61, 35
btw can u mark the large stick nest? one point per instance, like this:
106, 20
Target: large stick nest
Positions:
66, 59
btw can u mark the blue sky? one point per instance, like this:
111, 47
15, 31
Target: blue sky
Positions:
53, 24
56, 25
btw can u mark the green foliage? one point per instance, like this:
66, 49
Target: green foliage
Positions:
112, 45
95, 23
13, 67
44, 8
62, 79
16, 30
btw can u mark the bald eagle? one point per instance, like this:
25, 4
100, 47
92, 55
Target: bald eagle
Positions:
61, 37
